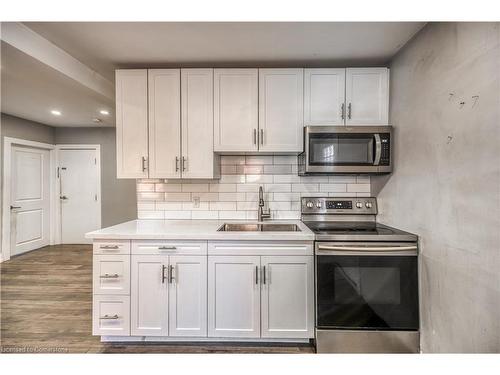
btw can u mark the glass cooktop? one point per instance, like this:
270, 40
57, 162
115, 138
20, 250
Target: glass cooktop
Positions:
372, 231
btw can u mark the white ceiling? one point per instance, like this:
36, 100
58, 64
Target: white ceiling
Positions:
105, 46
30, 88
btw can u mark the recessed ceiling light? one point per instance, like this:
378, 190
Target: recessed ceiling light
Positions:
104, 112
55, 112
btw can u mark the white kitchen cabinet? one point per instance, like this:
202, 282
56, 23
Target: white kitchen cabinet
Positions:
287, 296
111, 315
233, 296
111, 274
198, 160
188, 296
324, 97
281, 115
367, 96
235, 110
164, 123
149, 295
132, 123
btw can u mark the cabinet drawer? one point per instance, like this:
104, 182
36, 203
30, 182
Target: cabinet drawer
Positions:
111, 247
111, 315
230, 248
111, 274
169, 247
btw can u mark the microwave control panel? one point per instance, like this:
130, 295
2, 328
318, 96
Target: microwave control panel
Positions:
385, 156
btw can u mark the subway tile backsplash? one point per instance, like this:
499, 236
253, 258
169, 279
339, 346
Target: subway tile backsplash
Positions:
235, 195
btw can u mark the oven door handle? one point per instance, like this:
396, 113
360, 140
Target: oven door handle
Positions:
367, 249
378, 149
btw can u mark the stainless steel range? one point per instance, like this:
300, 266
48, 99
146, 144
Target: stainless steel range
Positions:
366, 279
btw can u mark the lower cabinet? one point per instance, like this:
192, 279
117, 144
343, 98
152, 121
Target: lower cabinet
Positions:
111, 315
168, 295
260, 296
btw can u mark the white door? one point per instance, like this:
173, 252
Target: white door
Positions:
236, 99
287, 296
79, 194
132, 123
149, 295
324, 96
281, 115
367, 96
30, 199
197, 123
188, 296
164, 123
233, 296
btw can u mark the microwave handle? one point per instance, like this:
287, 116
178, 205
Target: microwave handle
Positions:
378, 149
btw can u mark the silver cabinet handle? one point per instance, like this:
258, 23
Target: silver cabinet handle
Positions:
63, 197
261, 137
171, 274
264, 275
256, 275
255, 136
342, 111
109, 247
349, 111
163, 267
14, 207
166, 248
367, 249
177, 164
108, 276
184, 160
107, 317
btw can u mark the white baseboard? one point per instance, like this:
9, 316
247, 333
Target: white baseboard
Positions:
166, 339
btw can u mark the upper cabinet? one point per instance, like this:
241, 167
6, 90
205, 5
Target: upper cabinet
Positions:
367, 96
236, 110
281, 115
353, 96
132, 123
163, 131
324, 96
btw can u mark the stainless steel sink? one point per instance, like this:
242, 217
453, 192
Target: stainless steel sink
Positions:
253, 227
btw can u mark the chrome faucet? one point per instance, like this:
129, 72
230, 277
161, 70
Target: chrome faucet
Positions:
260, 213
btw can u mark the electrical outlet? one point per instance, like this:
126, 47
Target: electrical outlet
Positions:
196, 202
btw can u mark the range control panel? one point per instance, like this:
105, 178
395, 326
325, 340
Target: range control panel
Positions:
331, 205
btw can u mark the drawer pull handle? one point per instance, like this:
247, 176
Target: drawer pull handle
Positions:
107, 317
110, 247
167, 248
108, 276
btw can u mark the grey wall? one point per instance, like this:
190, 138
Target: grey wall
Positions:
119, 199
446, 181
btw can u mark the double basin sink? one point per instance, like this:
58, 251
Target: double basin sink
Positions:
257, 227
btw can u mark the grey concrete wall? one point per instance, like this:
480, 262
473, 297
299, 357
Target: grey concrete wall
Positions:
119, 198
446, 181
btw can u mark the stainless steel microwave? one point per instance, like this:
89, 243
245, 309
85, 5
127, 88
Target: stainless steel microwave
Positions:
346, 150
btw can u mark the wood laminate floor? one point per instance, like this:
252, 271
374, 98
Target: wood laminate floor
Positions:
46, 305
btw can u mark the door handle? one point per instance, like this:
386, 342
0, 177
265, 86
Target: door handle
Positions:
261, 137
184, 160
163, 267
177, 164
171, 274
349, 111
14, 207
255, 136
264, 275
63, 198
144, 167
342, 111
256, 275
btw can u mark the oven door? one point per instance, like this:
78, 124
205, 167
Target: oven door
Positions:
337, 149
367, 286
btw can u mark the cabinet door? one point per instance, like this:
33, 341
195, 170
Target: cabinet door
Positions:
197, 123
188, 296
164, 123
235, 109
149, 295
367, 96
287, 296
324, 96
131, 123
281, 102
233, 296
111, 274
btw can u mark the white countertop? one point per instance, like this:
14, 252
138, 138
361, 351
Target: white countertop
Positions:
196, 230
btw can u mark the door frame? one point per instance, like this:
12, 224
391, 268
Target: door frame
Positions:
6, 194
57, 203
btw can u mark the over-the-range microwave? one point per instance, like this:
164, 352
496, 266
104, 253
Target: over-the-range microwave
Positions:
346, 150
